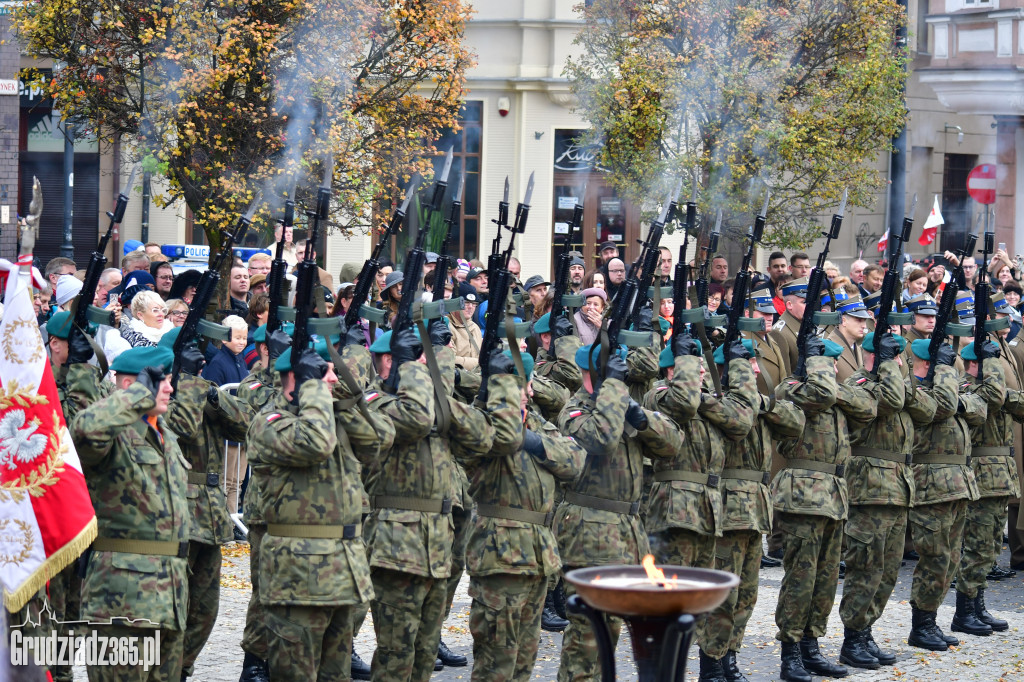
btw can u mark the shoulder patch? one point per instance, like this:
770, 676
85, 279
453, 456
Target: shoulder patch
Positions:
1013, 343
575, 413
370, 397
861, 380
780, 325
661, 388
256, 384
272, 417
792, 382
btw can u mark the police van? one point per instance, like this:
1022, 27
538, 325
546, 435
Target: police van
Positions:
184, 257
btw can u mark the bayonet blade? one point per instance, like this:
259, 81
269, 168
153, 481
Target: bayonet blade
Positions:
718, 222
413, 184
583, 194
767, 198
506, 190
458, 188
693, 194
126, 190
842, 204
291, 193
254, 205
529, 190
447, 165
664, 209
913, 206
328, 170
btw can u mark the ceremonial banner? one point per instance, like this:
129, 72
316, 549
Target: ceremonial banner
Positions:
931, 225
46, 516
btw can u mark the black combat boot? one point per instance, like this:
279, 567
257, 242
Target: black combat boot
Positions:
965, 619
732, 671
884, 657
711, 669
254, 669
923, 633
997, 624
855, 650
438, 664
770, 562
449, 657
550, 621
815, 663
360, 668
792, 667
558, 599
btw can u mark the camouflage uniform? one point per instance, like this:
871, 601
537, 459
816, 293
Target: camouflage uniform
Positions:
549, 396
746, 516
202, 427
810, 498
996, 474
512, 551
410, 532
313, 568
255, 392
562, 367
880, 484
943, 483
598, 523
136, 478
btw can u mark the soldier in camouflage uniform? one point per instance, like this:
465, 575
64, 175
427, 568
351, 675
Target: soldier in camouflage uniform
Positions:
136, 477
313, 567
560, 366
203, 416
746, 516
512, 551
410, 532
994, 470
810, 500
598, 522
880, 483
943, 483
254, 393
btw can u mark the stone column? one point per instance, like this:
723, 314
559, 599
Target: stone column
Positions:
9, 133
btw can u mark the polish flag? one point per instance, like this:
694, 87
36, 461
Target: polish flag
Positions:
884, 241
931, 225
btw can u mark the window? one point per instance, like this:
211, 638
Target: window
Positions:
956, 203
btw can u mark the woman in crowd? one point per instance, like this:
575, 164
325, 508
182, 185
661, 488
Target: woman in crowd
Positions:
346, 292
466, 335
916, 284
184, 286
259, 309
594, 280
390, 297
667, 311
177, 311
149, 320
163, 276
588, 318
715, 293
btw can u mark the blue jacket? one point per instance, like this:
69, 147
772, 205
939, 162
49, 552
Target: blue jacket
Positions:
226, 368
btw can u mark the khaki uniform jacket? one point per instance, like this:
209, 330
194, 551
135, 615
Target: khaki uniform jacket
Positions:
770, 360
852, 359
784, 333
466, 340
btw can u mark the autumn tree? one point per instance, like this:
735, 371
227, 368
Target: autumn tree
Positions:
227, 97
801, 94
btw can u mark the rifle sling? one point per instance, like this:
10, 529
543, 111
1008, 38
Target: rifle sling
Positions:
513, 347
342, 370
101, 357
656, 313
444, 410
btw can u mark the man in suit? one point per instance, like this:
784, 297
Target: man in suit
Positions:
784, 332
849, 334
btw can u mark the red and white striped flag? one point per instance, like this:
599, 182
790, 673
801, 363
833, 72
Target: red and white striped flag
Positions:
884, 241
931, 225
46, 517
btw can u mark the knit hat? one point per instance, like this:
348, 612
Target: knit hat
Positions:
68, 286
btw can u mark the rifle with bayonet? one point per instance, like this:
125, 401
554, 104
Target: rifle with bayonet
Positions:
742, 285
815, 283
982, 303
891, 282
948, 304
649, 259
680, 287
444, 261
207, 286
499, 286
709, 253
561, 282
275, 280
413, 265
307, 273
368, 274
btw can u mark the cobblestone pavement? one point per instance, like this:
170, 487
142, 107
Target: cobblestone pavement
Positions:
999, 657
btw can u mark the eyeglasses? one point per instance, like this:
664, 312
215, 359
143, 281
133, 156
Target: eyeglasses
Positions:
179, 313
158, 309
170, 277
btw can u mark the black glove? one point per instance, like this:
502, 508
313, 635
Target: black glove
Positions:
683, 344
533, 444
79, 348
945, 356
737, 351
561, 327
815, 347
355, 336
989, 350
644, 320
405, 347
277, 343
192, 361
213, 396
439, 333
616, 368
887, 348
499, 363
635, 416
308, 366
150, 377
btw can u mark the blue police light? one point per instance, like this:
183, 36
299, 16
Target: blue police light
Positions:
202, 252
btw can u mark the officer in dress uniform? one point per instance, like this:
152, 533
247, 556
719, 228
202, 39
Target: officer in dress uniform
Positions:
849, 334
784, 332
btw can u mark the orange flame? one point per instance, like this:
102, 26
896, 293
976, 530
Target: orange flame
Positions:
655, 574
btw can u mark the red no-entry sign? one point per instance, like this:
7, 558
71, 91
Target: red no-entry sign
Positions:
981, 183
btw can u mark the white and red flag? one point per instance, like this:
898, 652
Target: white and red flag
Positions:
46, 517
931, 224
883, 241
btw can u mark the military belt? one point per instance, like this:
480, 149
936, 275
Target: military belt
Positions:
208, 479
512, 514
942, 459
887, 455
148, 547
710, 480
312, 531
823, 467
1001, 451
420, 504
762, 477
602, 503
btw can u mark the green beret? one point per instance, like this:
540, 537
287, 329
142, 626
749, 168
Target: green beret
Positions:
664, 325
134, 359
920, 348
869, 342
720, 351
59, 325
260, 335
382, 344
832, 349
967, 352
583, 354
168, 339
666, 358
284, 360
527, 363
543, 325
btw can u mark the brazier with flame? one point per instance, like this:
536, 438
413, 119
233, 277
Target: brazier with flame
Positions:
659, 611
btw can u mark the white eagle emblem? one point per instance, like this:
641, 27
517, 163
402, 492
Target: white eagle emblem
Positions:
18, 442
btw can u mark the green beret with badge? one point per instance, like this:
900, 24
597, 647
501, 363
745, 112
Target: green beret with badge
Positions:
59, 325
832, 349
919, 348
